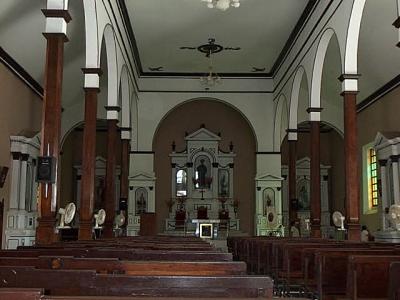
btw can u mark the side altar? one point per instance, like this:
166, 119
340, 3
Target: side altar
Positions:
202, 183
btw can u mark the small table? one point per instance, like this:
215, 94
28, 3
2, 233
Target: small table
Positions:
205, 228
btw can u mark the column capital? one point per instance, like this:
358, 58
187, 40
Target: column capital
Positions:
16, 155
395, 158
349, 82
92, 78
292, 134
315, 113
382, 162
57, 13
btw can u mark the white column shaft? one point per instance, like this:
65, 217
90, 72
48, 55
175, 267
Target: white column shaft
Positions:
396, 182
384, 199
15, 180
22, 185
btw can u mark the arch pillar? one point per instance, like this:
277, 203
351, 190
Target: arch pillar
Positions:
352, 185
88, 153
110, 200
315, 172
57, 17
293, 201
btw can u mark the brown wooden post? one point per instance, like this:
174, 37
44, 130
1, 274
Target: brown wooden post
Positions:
110, 199
124, 190
293, 201
315, 172
51, 122
351, 166
88, 155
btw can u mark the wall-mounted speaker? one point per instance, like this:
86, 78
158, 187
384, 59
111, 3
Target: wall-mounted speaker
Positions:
46, 169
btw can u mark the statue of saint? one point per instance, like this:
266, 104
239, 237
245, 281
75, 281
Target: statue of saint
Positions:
201, 173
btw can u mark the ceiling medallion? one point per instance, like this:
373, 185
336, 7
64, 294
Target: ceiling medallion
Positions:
222, 4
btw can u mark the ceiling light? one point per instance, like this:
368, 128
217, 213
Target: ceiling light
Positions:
212, 78
222, 4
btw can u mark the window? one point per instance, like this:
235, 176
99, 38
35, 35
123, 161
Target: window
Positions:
372, 179
370, 174
181, 183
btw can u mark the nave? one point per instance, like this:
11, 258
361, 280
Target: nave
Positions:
187, 267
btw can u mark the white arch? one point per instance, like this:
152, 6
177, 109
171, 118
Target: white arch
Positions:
316, 80
112, 71
134, 121
353, 33
91, 34
294, 100
280, 112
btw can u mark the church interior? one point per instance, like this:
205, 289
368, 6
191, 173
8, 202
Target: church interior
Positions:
199, 149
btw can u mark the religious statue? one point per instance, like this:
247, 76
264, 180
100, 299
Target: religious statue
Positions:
201, 173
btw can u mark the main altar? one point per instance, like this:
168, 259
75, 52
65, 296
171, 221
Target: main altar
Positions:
202, 183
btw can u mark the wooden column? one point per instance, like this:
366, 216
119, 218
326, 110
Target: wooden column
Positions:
315, 176
293, 201
51, 125
351, 166
124, 190
110, 201
88, 160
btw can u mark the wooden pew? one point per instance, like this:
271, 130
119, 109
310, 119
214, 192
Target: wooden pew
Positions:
394, 281
21, 294
116, 266
90, 283
124, 254
368, 276
331, 268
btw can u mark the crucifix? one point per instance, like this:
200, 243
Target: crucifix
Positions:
202, 194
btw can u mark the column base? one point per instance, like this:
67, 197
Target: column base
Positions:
85, 230
45, 232
315, 230
108, 230
354, 232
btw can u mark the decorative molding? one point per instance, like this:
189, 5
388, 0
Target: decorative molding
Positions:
20, 72
97, 71
112, 108
396, 23
379, 93
129, 129
142, 152
314, 109
268, 152
57, 13
348, 76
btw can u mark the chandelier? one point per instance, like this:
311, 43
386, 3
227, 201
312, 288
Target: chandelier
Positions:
212, 78
222, 4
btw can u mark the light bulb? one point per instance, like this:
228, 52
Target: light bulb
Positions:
223, 4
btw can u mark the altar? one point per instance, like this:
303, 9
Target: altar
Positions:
202, 184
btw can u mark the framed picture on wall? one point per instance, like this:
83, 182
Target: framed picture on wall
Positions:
206, 231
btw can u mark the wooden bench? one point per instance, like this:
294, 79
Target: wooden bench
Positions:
124, 254
368, 276
394, 281
90, 283
116, 266
20, 294
331, 268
